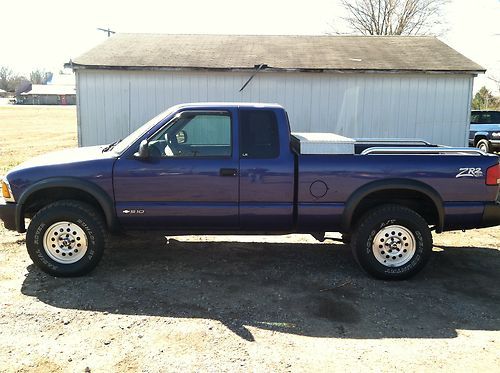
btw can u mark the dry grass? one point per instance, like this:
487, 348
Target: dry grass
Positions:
28, 131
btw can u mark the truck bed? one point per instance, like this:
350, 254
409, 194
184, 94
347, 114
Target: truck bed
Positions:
332, 144
325, 183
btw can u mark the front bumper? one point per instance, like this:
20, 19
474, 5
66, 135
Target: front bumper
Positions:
495, 144
8, 214
491, 215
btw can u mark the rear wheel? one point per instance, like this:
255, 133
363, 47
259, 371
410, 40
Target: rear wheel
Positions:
66, 238
392, 242
484, 145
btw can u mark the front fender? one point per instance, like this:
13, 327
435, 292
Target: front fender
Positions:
481, 134
104, 200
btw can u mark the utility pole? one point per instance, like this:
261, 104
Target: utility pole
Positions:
107, 30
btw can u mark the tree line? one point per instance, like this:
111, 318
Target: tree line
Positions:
10, 81
485, 100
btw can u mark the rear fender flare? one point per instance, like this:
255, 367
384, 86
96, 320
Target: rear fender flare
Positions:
381, 185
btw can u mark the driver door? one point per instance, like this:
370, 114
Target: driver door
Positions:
191, 180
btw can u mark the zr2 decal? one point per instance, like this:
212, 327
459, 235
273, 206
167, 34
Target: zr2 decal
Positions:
470, 172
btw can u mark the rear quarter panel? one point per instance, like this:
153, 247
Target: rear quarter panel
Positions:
463, 197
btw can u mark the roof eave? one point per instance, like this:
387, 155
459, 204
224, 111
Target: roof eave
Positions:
76, 66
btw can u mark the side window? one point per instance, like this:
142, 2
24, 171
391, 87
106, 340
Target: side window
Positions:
495, 117
486, 118
259, 136
195, 135
474, 118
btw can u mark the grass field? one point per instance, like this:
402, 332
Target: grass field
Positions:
32, 130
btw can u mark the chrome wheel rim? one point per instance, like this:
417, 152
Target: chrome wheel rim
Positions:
65, 242
394, 246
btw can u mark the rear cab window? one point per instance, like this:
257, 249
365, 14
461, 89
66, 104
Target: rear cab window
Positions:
259, 135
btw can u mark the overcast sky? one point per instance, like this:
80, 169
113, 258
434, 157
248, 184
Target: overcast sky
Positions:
46, 34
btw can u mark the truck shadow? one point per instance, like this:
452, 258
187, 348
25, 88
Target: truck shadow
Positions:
301, 288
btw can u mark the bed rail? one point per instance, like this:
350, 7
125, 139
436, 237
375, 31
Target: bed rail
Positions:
421, 150
367, 140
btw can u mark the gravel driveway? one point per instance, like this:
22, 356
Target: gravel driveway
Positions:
284, 303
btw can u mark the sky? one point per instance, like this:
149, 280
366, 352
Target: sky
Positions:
46, 34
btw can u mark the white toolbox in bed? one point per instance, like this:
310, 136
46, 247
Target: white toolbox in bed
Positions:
322, 143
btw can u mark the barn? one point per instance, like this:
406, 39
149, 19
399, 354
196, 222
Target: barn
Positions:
48, 94
357, 86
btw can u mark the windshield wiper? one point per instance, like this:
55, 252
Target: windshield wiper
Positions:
110, 146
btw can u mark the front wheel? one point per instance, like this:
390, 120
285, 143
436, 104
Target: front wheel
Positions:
484, 145
66, 238
392, 242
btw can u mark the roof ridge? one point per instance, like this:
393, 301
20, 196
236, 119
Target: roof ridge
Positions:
278, 35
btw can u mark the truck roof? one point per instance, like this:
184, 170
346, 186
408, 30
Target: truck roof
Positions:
218, 105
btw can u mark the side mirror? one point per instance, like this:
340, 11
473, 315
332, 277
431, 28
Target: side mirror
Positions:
143, 152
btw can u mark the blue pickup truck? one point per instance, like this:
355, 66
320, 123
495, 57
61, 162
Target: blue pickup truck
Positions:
484, 130
237, 169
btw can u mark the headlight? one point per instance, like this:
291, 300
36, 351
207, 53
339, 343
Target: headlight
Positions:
6, 191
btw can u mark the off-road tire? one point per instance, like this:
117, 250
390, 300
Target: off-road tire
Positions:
380, 219
79, 213
484, 145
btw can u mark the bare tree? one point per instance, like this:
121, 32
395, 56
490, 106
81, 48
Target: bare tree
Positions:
10, 81
496, 80
393, 17
6, 74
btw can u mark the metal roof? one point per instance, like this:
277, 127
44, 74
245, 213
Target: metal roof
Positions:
278, 52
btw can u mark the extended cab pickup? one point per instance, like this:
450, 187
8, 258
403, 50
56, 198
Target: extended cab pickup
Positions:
236, 168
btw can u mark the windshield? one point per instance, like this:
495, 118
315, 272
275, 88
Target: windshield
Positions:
122, 145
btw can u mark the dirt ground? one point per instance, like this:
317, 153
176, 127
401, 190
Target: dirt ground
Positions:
285, 303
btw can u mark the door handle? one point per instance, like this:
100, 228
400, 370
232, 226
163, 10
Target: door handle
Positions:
228, 172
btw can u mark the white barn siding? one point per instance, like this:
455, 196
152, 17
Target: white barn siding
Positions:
435, 107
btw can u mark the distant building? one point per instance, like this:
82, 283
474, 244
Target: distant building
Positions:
60, 90
357, 86
48, 95
3, 93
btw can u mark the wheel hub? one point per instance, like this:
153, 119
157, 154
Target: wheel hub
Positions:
65, 242
394, 246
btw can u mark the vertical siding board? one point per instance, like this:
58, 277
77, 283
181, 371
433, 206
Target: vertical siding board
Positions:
447, 108
439, 116
432, 127
90, 126
418, 130
96, 139
392, 113
111, 130
82, 107
333, 100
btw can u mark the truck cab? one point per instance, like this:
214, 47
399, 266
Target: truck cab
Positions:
484, 130
210, 168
